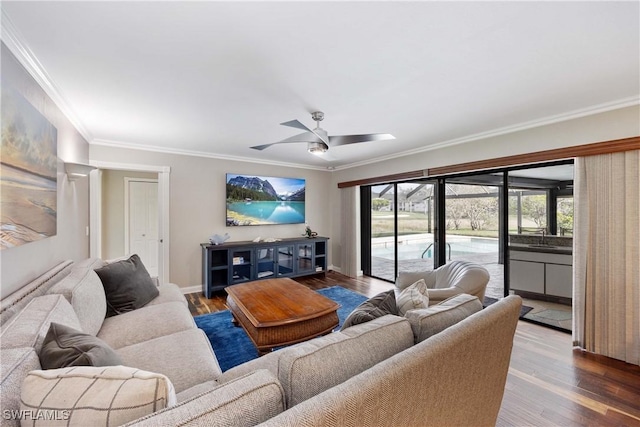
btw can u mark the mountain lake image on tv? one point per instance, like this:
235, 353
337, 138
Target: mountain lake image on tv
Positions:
262, 200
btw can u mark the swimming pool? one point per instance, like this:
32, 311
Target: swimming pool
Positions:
412, 248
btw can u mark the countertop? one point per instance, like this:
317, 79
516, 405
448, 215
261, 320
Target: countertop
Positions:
564, 250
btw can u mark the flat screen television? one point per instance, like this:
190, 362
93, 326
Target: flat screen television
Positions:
263, 200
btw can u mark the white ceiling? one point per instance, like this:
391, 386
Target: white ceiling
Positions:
218, 77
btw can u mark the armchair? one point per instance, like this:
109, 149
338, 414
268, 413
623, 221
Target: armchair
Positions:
454, 278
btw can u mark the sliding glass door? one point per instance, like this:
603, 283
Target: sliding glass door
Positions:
401, 228
383, 231
472, 212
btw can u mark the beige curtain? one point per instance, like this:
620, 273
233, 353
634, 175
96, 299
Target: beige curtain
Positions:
607, 255
349, 231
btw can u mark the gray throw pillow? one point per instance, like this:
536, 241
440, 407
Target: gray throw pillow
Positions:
127, 285
64, 346
380, 305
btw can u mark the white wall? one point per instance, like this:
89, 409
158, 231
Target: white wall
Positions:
21, 264
198, 205
612, 125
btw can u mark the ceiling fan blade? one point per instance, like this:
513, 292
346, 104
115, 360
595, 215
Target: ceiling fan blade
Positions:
296, 124
302, 137
337, 140
262, 147
299, 125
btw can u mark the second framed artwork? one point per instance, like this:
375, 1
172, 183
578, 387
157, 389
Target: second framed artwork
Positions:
263, 200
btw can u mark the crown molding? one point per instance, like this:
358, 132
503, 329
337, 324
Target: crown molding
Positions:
576, 114
181, 152
596, 109
15, 42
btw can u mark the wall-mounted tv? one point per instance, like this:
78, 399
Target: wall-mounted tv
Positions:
262, 200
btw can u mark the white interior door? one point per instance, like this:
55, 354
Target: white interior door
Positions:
143, 222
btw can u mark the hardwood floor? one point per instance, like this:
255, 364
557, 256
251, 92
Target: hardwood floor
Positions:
549, 383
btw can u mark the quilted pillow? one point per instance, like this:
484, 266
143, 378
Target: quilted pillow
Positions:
64, 346
92, 396
127, 285
380, 305
412, 297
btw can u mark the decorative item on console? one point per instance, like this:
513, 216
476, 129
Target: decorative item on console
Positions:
217, 239
308, 233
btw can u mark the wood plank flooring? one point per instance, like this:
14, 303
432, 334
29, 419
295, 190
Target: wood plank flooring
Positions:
549, 382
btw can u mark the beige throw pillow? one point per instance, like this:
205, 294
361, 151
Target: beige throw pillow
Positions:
412, 297
92, 396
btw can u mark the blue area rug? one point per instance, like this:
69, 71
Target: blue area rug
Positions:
232, 345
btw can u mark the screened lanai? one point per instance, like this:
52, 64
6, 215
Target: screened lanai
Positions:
404, 218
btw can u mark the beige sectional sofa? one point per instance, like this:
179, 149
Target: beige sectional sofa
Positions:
389, 371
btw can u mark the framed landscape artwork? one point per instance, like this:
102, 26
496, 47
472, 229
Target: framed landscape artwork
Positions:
261, 200
28, 172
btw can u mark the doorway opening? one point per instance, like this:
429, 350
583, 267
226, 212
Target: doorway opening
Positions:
109, 215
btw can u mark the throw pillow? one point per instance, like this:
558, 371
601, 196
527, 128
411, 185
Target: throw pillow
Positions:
412, 297
91, 396
127, 285
380, 305
64, 346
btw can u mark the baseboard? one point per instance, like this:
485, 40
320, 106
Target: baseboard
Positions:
339, 270
191, 289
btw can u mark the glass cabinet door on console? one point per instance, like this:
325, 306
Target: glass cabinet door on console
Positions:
285, 260
266, 263
305, 257
241, 261
238, 262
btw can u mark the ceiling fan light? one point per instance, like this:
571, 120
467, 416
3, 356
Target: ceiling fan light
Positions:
317, 148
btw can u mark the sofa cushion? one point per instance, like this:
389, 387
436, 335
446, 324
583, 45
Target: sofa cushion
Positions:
29, 327
412, 297
311, 367
245, 401
196, 390
90, 263
127, 285
186, 358
169, 292
16, 363
146, 323
377, 306
86, 395
436, 318
64, 346
83, 289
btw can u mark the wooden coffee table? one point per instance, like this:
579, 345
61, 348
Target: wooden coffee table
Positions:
277, 312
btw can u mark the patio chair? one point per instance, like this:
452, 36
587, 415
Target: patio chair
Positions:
453, 278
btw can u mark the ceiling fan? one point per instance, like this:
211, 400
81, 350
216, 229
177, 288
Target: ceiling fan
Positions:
318, 141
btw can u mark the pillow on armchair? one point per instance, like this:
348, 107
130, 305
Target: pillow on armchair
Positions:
412, 297
377, 306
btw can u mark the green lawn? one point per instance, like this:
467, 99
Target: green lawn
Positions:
416, 223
